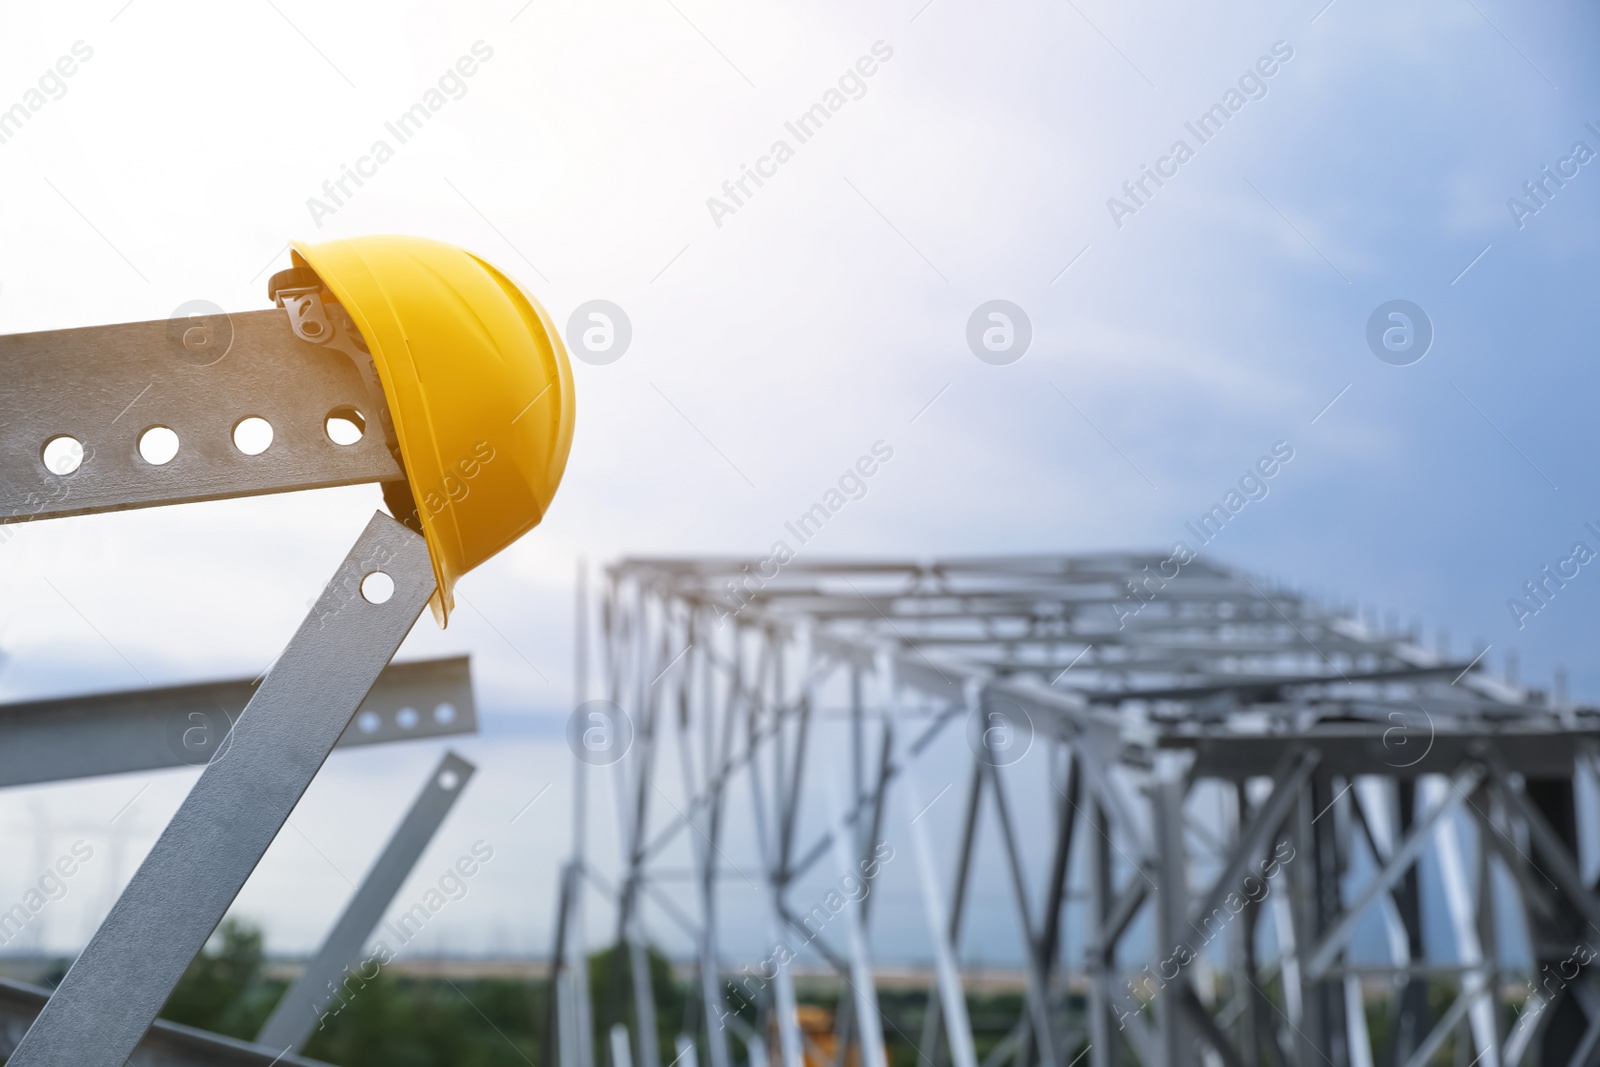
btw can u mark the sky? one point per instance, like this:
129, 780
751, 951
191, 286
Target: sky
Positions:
1178, 332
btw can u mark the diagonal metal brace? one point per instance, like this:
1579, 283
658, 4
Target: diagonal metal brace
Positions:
1290, 780
297, 1014
1562, 869
1444, 1028
1202, 1021
1328, 946
1124, 909
1537, 898
180, 893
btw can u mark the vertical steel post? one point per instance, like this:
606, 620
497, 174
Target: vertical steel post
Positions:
577, 934
863, 839
704, 843
632, 932
558, 1038
644, 1001
782, 1001
1248, 1033
1295, 924
1488, 934
1329, 898
1172, 921
1068, 785
1100, 956
932, 1045
1413, 1018
1038, 991
1556, 939
1469, 949
868, 1021
952, 998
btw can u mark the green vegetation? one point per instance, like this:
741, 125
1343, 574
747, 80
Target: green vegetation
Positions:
222, 990
406, 1021
670, 994
393, 1021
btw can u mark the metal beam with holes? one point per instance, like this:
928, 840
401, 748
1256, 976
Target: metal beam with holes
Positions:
78, 403
154, 729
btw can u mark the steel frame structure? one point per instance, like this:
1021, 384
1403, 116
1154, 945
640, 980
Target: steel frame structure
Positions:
196, 379
1330, 758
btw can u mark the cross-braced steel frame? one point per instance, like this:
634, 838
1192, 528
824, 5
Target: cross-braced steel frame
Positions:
1240, 783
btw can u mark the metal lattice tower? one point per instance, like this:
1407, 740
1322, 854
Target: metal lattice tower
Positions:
1337, 756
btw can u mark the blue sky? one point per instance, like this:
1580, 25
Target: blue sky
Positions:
823, 316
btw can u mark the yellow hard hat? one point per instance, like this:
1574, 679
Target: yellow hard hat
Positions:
478, 386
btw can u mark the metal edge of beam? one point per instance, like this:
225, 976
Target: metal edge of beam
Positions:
296, 1014
1270, 682
155, 729
1351, 749
165, 1044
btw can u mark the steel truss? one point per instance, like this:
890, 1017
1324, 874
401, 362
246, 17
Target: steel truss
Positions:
1240, 781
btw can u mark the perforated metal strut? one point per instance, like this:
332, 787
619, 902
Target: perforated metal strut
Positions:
66, 738
104, 387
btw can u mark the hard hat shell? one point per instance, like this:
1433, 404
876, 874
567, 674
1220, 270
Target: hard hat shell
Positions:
478, 386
